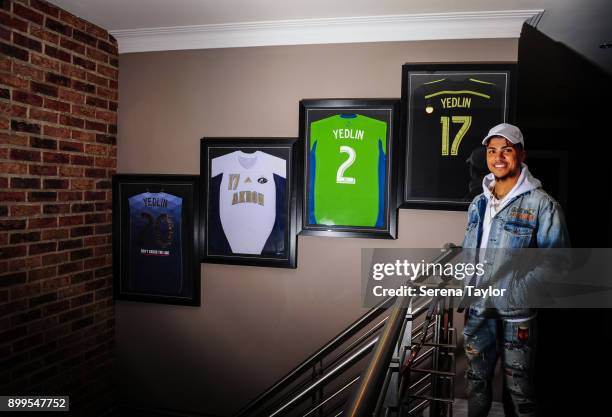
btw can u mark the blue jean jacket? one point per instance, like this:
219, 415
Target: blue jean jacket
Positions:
529, 220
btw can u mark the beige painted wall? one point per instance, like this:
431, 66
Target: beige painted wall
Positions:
255, 324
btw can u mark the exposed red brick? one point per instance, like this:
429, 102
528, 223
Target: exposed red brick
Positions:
25, 155
73, 71
83, 136
56, 208
8, 252
13, 140
42, 223
81, 160
72, 121
18, 111
45, 116
107, 93
55, 258
36, 142
97, 102
13, 22
56, 53
56, 158
27, 98
21, 126
13, 81
46, 63
29, 210
95, 240
71, 146
58, 97
17, 238
6, 196
85, 63
56, 132
28, 14
100, 127
108, 71
42, 196
73, 46
43, 170
38, 248
108, 47
56, 105
17, 182
98, 56
106, 162
70, 196
100, 150
12, 224
71, 96
45, 7
95, 173
84, 38
83, 111
44, 35
102, 206
71, 171
27, 42
95, 218
109, 117
64, 269
28, 71
55, 234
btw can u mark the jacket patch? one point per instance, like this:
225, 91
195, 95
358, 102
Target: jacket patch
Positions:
524, 214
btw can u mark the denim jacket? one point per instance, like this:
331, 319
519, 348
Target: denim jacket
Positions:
529, 218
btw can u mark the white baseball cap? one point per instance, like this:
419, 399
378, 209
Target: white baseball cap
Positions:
505, 130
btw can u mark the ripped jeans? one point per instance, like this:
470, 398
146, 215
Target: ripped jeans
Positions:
483, 344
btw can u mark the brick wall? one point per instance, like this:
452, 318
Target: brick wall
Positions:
58, 102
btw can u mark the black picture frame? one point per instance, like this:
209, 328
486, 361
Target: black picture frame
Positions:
250, 216
374, 205
447, 109
150, 262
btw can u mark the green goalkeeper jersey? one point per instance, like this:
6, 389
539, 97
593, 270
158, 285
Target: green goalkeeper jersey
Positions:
347, 171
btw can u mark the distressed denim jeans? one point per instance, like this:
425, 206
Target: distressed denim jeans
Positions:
487, 338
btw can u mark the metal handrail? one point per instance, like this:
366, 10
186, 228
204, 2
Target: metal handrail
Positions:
364, 402
344, 364
331, 397
341, 338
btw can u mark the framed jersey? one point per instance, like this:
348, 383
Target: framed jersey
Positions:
449, 108
348, 187
249, 204
155, 238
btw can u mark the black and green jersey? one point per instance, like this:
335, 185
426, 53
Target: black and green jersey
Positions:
449, 116
347, 174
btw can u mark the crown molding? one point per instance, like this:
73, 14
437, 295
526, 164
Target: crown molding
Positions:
412, 27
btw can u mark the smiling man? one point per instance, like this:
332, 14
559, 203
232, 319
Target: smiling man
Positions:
513, 211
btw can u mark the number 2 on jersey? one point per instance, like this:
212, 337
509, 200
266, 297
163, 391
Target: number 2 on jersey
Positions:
445, 120
340, 178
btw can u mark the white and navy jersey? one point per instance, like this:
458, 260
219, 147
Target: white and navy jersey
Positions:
247, 198
156, 262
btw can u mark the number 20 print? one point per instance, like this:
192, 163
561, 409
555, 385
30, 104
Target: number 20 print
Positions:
349, 182
449, 108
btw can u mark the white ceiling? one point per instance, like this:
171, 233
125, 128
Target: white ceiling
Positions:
192, 24
136, 14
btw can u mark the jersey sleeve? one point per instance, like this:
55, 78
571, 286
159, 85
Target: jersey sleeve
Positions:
277, 165
315, 132
217, 165
381, 132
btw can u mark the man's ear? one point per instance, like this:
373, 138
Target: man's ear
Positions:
523, 155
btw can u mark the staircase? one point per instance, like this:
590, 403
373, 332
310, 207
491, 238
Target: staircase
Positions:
398, 359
